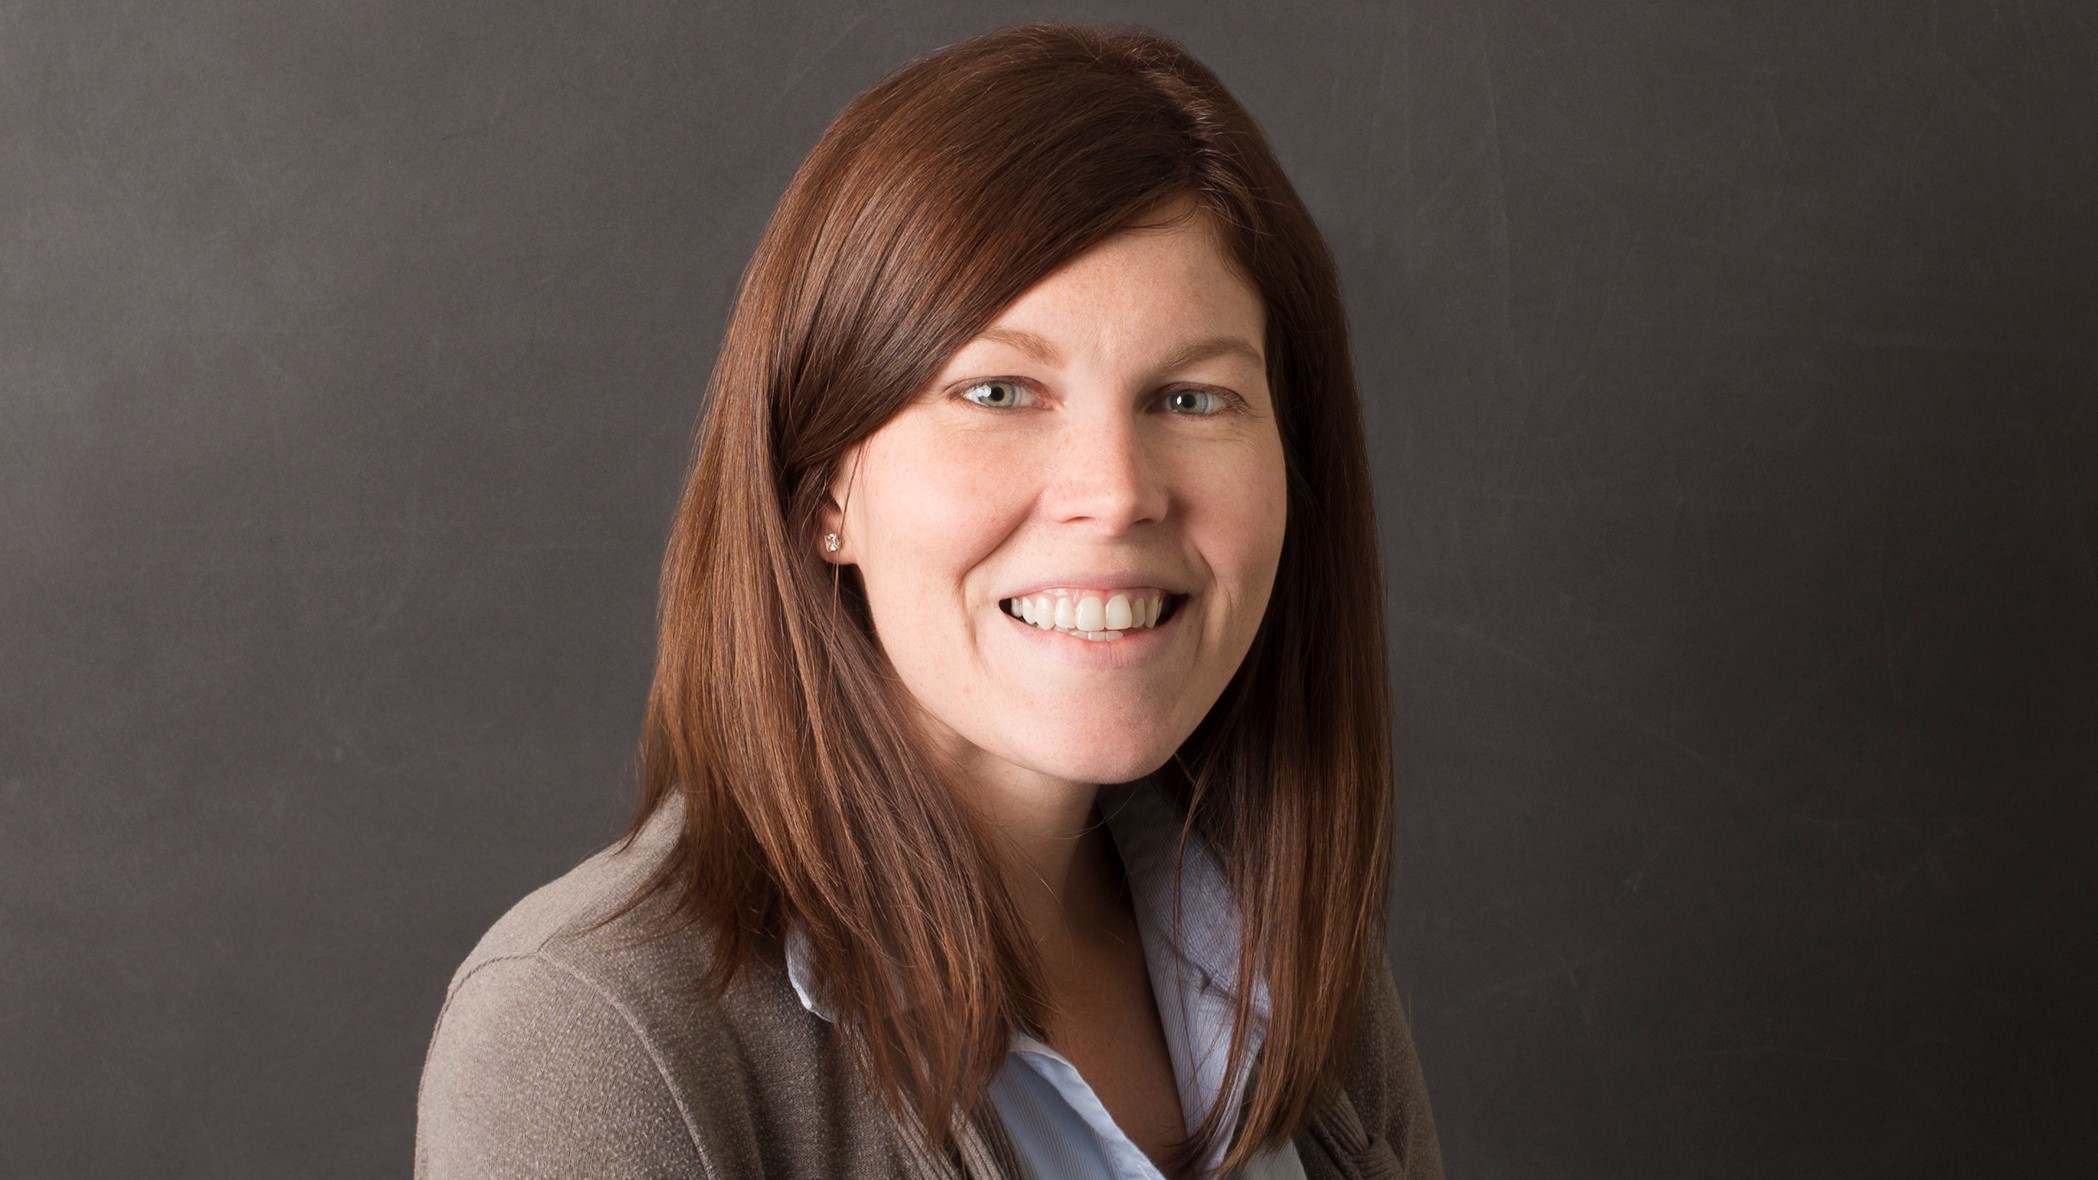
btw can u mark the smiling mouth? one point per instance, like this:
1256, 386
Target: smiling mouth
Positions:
1094, 616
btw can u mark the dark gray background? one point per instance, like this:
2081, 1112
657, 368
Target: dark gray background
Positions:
1732, 383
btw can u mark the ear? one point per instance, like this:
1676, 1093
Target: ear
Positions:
831, 523
830, 519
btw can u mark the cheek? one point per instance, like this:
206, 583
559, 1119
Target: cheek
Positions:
926, 514
1247, 515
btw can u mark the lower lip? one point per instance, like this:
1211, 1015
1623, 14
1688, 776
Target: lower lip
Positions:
1136, 646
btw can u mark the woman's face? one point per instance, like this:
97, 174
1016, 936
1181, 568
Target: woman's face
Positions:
1104, 451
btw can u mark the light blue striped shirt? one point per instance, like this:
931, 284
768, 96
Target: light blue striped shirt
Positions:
1058, 1126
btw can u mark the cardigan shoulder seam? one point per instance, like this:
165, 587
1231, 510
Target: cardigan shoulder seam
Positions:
604, 996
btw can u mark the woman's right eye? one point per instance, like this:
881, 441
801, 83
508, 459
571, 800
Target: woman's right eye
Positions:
996, 395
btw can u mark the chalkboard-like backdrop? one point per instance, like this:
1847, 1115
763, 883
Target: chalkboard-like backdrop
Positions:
1733, 378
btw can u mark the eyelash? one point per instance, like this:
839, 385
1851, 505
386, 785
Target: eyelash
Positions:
1224, 399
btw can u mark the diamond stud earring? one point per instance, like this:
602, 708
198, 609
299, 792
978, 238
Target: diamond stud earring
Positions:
830, 542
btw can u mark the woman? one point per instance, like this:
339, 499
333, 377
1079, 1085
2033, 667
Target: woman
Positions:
1032, 466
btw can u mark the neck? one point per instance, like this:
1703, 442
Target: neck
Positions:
1057, 859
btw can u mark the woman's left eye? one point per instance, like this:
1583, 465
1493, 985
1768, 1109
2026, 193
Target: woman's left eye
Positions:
997, 395
1195, 402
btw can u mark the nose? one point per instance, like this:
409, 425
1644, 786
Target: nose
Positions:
1103, 474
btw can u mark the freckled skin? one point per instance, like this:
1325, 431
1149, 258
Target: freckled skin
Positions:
1083, 462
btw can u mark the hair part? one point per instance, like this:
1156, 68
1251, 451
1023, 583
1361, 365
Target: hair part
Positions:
931, 203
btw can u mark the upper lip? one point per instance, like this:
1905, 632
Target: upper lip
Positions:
1097, 580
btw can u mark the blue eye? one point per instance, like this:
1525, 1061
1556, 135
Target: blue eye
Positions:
997, 395
1194, 402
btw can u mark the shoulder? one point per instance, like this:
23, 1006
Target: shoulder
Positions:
545, 1059
536, 1070
570, 1044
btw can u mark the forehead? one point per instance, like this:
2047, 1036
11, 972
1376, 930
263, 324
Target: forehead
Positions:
1158, 280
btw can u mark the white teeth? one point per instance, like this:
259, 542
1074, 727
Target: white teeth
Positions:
1087, 615
1090, 616
1118, 616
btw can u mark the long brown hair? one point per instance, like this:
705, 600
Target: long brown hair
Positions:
933, 201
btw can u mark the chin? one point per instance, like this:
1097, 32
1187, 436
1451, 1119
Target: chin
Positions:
1106, 762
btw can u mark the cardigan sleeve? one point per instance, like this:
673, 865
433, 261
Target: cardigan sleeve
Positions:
536, 1071
1404, 1120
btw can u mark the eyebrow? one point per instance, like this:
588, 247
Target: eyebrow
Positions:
1038, 348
